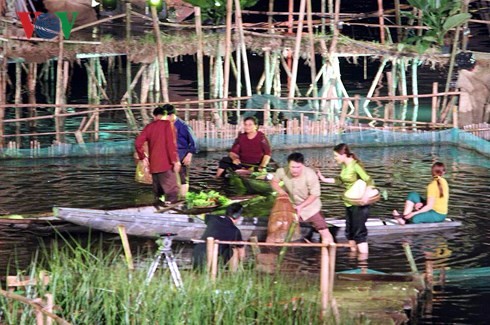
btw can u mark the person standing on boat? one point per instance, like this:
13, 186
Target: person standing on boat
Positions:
355, 215
221, 228
303, 188
418, 210
186, 146
250, 149
162, 156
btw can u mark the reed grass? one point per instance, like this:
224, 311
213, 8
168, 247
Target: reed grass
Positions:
91, 284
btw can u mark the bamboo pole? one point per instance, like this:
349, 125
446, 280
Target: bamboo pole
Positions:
324, 279
17, 98
129, 99
381, 21
127, 249
466, 31
415, 89
398, 20
59, 90
312, 53
239, 23
214, 265
373, 87
408, 254
433, 118
36, 305
200, 62
161, 57
296, 53
389, 108
332, 252
226, 77
451, 65
209, 254
401, 66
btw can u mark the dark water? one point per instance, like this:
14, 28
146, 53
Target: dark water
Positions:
35, 186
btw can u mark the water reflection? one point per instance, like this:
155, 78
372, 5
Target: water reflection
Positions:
34, 186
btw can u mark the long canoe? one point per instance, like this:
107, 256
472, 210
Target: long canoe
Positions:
146, 222
387, 226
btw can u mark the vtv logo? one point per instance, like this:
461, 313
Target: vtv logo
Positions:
47, 25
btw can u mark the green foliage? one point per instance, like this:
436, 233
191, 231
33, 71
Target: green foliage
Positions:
440, 16
205, 199
215, 10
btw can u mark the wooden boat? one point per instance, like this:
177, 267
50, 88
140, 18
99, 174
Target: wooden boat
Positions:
38, 226
388, 226
146, 222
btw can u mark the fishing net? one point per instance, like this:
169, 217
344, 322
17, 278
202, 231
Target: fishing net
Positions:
282, 226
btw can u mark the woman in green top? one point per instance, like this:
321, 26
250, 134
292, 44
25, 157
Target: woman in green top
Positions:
356, 215
417, 210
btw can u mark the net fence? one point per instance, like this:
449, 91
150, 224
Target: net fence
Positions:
366, 137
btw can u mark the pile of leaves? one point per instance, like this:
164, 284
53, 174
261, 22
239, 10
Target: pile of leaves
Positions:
205, 199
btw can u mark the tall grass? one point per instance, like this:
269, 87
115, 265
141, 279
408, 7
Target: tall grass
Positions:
92, 285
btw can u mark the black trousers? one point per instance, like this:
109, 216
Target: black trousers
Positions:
355, 223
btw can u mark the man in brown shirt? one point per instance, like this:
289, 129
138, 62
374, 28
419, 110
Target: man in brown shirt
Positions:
302, 186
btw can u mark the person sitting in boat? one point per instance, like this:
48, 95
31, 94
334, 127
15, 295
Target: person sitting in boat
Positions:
251, 149
434, 209
221, 228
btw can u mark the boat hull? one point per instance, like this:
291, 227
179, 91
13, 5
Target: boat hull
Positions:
146, 222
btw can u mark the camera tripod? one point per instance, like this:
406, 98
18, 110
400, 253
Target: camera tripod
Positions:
165, 249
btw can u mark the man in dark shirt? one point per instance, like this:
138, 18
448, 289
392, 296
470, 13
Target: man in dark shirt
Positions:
221, 228
186, 146
162, 157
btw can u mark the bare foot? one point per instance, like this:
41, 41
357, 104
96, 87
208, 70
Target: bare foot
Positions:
398, 217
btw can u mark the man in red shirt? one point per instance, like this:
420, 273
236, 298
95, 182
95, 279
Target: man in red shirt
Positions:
162, 156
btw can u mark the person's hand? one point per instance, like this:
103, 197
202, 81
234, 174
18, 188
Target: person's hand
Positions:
146, 162
418, 206
236, 161
176, 167
282, 193
187, 159
298, 209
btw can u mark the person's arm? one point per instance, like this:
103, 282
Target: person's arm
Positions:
309, 200
171, 146
363, 175
266, 149
275, 182
234, 152
264, 162
329, 180
139, 145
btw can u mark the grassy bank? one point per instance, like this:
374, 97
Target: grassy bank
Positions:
91, 284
